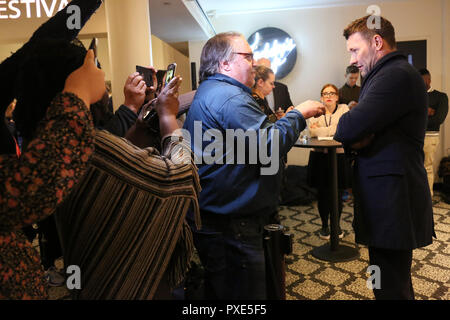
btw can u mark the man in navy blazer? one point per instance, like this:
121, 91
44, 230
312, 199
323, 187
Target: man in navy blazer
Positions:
281, 96
385, 133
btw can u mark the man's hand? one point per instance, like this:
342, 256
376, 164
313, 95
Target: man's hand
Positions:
431, 111
167, 103
279, 113
311, 109
363, 142
352, 104
134, 91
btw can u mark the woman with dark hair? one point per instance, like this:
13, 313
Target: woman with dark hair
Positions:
40, 77
325, 126
124, 224
46, 70
54, 83
54, 157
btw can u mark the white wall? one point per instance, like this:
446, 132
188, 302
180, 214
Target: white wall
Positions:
164, 54
8, 48
322, 55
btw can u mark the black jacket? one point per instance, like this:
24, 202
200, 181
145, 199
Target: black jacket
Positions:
117, 123
439, 102
348, 94
392, 198
281, 96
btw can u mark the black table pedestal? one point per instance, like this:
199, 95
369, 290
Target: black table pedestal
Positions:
342, 254
333, 251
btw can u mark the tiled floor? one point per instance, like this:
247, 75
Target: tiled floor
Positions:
310, 278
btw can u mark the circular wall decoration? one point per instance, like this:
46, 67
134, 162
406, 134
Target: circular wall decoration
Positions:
277, 46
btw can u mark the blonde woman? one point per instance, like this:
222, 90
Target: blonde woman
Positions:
264, 84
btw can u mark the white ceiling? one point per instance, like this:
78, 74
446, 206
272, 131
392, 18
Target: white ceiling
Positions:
227, 7
172, 21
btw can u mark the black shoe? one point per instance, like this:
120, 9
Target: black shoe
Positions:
324, 233
340, 233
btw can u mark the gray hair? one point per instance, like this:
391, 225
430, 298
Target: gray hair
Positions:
216, 49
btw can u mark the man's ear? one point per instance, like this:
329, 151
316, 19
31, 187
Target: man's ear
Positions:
378, 42
225, 66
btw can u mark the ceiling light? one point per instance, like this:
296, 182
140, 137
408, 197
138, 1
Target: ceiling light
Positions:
200, 16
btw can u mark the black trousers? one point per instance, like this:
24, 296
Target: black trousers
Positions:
232, 253
395, 269
49, 244
324, 204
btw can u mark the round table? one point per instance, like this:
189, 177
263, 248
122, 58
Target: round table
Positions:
332, 251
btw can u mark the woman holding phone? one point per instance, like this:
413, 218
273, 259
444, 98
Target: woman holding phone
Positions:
58, 144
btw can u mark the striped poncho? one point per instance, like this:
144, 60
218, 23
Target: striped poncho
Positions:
124, 223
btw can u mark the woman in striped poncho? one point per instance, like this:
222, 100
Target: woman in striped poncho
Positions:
123, 225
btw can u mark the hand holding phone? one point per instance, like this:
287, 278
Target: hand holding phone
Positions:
147, 74
167, 100
170, 73
93, 46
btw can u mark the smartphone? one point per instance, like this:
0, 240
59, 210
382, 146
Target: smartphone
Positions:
160, 78
93, 46
147, 74
170, 73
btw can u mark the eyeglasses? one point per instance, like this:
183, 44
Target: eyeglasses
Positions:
247, 55
329, 94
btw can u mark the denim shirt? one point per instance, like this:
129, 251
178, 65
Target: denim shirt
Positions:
223, 110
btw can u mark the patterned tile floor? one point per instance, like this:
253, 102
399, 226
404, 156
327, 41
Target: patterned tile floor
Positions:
308, 278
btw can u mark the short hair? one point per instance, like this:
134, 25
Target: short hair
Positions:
264, 62
216, 49
329, 85
386, 30
262, 72
351, 69
424, 71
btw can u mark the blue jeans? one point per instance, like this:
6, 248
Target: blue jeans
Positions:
232, 253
